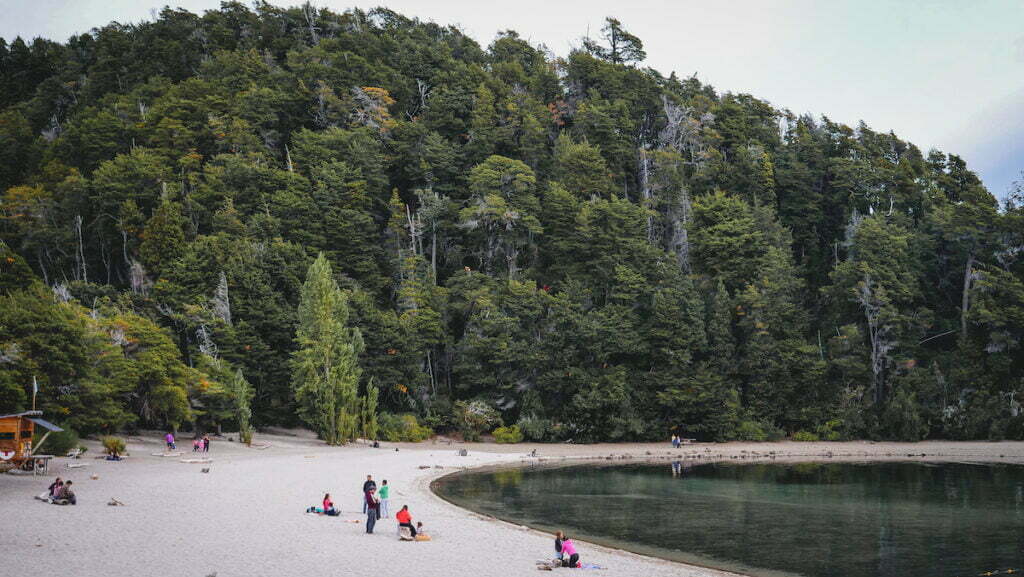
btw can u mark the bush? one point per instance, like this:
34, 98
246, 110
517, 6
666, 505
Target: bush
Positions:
113, 445
402, 428
750, 431
805, 436
829, 431
758, 431
473, 418
536, 429
57, 443
508, 435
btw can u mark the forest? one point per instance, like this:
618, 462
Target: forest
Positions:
372, 225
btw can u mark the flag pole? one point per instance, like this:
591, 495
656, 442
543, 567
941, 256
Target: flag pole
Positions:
35, 389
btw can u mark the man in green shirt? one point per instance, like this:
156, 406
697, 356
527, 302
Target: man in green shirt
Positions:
383, 495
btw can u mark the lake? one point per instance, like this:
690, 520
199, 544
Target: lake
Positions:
817, 519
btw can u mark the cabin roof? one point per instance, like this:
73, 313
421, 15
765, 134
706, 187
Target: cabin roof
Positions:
22, 414
46, 424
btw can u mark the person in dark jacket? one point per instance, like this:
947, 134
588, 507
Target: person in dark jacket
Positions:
369, 484
372, 509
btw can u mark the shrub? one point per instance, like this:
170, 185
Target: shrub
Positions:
536, 429
113, 445
473, 418
750, 431
759, 431
805, 436
829, 430
508, 434
57, 443
402, 428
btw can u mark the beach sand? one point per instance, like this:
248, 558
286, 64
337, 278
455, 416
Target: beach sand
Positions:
246, 516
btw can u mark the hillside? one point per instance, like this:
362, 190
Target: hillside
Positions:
578, 245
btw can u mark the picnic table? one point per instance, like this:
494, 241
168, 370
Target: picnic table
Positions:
37, 464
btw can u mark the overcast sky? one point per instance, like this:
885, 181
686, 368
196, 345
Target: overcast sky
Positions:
946, 74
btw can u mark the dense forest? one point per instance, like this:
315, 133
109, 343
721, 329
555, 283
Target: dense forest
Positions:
302, 215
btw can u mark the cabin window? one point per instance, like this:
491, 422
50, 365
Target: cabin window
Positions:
26, 434
7, 436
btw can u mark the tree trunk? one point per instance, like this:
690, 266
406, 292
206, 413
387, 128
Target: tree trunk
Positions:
965, 302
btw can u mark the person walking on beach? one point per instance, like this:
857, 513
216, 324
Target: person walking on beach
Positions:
372, 509
369, 484
170, 441
383, 496
404, 518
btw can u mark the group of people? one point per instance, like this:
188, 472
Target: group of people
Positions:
59, 493
201, 444
375, 506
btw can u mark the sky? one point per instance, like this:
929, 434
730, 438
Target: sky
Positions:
943, 74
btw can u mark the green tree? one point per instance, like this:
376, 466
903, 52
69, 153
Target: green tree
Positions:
325, 368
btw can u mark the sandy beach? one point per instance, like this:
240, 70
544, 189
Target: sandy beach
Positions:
246, 516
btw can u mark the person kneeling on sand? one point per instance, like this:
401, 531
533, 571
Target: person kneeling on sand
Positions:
404, 518
65, 496
570, 558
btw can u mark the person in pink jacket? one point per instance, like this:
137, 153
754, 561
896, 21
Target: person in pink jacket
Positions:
570, 558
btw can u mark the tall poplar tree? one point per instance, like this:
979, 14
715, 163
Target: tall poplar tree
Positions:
325, 368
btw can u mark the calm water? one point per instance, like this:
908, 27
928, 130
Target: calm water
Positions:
833, 519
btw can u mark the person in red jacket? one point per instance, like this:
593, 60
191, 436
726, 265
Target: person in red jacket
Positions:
404, 519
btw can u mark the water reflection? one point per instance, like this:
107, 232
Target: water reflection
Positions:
815, 519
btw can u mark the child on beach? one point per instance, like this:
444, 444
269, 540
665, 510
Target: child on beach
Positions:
559, 537
170, 441
195, 445
52, 492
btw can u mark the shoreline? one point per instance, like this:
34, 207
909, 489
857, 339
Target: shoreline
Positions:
246, 516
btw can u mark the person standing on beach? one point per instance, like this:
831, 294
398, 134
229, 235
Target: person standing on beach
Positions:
383, 496
369, 484
372, 509
170, 441
206, 443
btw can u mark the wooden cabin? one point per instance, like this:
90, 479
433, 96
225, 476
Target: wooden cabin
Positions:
16, 432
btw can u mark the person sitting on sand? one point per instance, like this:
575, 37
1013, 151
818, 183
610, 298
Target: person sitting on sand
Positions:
329, 506
66, 496
570, 558
51, 491
404, 518
559, 537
